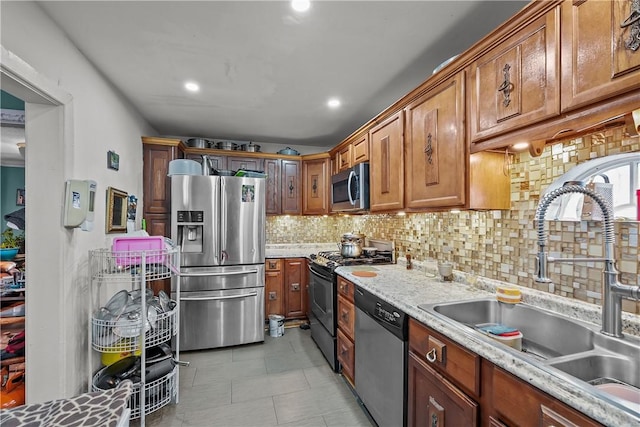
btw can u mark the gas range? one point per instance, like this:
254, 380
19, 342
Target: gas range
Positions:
331, 260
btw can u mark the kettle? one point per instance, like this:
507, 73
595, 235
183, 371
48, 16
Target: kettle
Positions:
207, 167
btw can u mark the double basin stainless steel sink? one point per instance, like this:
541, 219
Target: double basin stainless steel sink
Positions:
552, 340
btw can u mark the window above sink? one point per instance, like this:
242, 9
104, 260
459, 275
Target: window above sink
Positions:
622, 171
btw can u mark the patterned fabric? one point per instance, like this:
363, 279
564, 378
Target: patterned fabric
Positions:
101, 408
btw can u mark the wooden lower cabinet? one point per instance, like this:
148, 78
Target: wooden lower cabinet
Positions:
295, 288
273, 288
286, 288
516, 403
435, 401
456, 387
346, 356
346, 336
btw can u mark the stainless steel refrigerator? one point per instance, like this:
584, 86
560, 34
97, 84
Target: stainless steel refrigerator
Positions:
219, 224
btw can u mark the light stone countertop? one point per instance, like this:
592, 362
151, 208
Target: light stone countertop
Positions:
406, 289
297, 250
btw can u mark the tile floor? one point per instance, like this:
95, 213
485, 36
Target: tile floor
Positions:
284, 381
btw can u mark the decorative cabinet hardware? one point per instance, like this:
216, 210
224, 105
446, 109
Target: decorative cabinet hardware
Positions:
506, 87
295, 286
291, 188
633, 23
273, 296
436, 413
428, 148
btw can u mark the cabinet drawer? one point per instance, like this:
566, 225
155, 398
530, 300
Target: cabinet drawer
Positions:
346, 316
435, 401
519, 404
346, 355
455, 362
346, 288
273, 264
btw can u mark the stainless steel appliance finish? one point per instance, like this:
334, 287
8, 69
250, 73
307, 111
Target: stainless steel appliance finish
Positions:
381, 358
323, 294
322, 316
350, 189
219, 224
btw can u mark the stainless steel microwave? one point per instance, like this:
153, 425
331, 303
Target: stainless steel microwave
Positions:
350, 189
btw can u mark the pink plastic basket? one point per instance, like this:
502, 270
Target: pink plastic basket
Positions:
128, 250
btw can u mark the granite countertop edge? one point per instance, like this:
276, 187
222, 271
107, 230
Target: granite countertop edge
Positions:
406, 289
296, 250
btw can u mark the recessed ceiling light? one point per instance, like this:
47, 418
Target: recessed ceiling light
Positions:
333, 103
300, 5
192, 86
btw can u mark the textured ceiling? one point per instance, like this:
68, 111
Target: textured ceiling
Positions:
265, 71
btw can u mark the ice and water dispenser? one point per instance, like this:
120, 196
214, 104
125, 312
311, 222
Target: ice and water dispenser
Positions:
190, 230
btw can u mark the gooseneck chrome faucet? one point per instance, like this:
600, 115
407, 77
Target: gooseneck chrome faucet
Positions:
612, 289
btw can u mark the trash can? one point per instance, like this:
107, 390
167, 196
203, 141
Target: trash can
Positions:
276, 325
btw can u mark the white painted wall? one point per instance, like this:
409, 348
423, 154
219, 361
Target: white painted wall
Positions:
94, 119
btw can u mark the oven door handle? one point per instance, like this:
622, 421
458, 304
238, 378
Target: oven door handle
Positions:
315, 273
228, 273
252, 294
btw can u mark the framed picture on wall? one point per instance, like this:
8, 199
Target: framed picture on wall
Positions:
20, 197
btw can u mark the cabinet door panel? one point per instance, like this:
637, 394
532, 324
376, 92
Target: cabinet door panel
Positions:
251, 163
291, 191
386, 175
516, 83
346, 355
158, 224
274, 295
274, 186
344, 158
598, 56
315, 194
157, 185
294, 287
346, 317
434, 401
360, 149
435, 148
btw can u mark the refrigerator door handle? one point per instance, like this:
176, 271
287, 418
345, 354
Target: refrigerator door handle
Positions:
228, 273
252, 294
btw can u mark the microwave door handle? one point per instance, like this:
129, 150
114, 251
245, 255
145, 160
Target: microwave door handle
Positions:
352, 175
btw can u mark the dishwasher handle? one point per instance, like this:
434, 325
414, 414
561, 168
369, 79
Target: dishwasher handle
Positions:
251, 294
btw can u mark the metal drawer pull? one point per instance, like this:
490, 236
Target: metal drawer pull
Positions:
230, 273
252, 294
432, 355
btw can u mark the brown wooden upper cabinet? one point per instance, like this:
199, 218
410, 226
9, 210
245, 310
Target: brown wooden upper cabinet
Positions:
600, 50
291, 187
344, 158
386, 169
360, 149
315, 194
156, 155
284, 192
516, 83
435, 149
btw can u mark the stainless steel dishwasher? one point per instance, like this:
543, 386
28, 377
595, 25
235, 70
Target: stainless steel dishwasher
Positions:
381, 359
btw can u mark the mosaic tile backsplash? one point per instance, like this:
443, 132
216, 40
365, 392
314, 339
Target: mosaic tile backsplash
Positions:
500, 245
